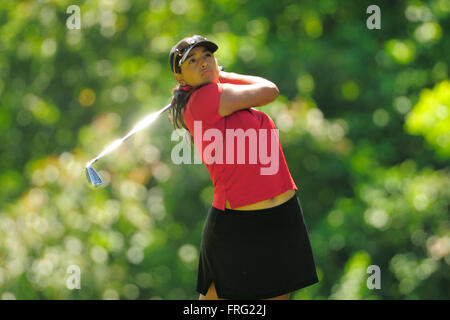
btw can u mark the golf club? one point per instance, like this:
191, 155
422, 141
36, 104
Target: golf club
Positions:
93, 177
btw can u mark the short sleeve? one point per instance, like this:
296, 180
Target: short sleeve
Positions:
204, 103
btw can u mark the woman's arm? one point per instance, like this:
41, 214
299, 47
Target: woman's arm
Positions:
252, 91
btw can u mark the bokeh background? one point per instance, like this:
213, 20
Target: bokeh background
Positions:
364, 118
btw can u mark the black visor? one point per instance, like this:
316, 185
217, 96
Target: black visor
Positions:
180, 51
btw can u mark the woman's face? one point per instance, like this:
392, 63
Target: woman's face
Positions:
200, 67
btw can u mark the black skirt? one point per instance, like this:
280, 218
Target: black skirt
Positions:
256, 254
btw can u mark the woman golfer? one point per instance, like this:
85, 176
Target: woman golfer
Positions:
254, 242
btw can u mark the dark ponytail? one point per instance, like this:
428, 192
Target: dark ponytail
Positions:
181, 95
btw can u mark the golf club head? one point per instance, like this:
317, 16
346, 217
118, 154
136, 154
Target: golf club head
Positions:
93, 177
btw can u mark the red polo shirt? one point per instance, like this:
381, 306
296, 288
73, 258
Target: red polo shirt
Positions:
242, 151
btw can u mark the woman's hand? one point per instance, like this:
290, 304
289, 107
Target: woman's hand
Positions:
236, 78
225, 77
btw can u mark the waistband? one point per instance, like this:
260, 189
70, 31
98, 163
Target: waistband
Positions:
281, 207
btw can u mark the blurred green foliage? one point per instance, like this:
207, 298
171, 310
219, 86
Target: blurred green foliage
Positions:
363, 118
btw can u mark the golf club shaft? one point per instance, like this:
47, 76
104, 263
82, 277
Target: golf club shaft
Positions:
138, 127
